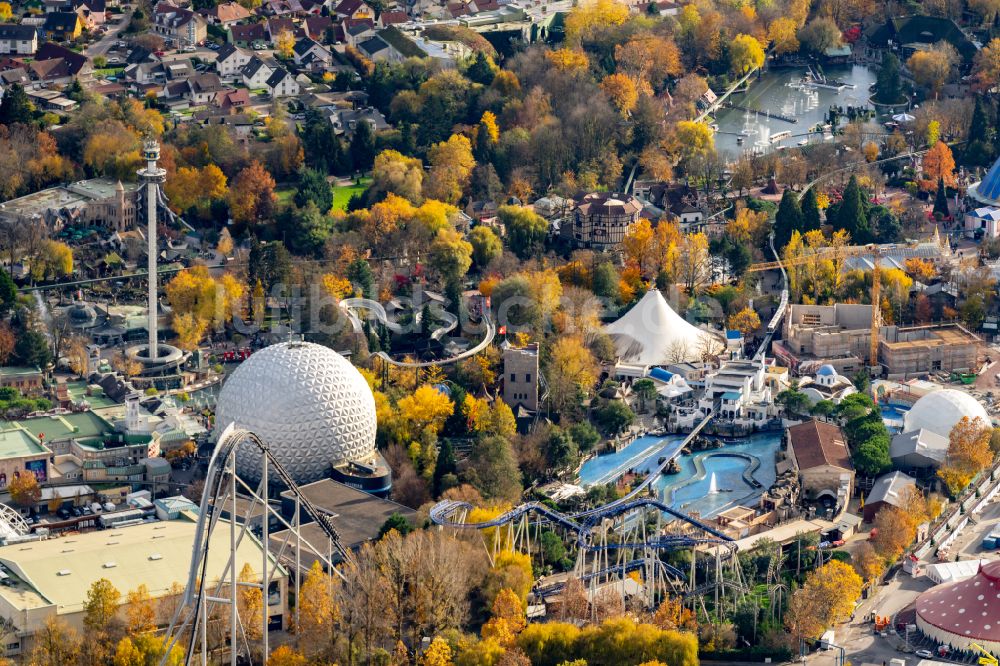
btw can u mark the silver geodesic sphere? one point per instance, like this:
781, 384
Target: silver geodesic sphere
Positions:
306, 402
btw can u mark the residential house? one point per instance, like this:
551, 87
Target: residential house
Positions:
230, 61
819, 451
232, 100
888, 490
311, 55
277, 26
392, 17
18, 75
357, 31
18, 39
345, 121
146, 73
377, 50
316, 27
282, 84
55, 64
227, 14
257, 72
182, 25
204, 87
62, 26
353, 9
93, 13
246, 35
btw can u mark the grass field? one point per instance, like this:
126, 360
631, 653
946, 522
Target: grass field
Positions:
342, 194
285, 196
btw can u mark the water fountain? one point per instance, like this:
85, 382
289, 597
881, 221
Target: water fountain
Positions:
713, 485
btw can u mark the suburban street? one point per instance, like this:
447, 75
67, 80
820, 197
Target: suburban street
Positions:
104, 44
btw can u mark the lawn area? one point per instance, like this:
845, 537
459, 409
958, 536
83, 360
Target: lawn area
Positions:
285, 196
343, 193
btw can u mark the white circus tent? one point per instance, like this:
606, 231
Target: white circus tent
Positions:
652, 333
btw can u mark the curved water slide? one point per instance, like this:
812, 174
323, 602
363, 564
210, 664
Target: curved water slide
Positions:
376, 311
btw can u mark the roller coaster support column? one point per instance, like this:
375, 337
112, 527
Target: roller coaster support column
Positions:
265, 579
234, 617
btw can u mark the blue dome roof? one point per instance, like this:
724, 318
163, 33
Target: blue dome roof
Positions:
826, 371
990, 187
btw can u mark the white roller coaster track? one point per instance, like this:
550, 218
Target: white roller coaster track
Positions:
208, 590
12, 525
376, 311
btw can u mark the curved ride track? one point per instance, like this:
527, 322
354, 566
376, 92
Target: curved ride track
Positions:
376, 311
451, 513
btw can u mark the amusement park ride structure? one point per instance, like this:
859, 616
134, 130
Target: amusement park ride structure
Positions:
198, 613
636, 537
626, 536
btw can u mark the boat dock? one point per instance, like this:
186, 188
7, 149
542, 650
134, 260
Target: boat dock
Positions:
765, 113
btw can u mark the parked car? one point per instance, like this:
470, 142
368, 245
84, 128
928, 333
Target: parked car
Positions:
924, 654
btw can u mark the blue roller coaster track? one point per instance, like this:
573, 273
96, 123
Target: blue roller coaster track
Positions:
451, 513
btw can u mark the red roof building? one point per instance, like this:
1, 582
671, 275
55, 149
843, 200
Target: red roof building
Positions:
964, 612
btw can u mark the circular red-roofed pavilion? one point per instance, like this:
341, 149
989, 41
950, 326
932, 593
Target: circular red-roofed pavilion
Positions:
964, 612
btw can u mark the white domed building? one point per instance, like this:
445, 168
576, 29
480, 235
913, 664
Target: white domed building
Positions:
939, 411
313, 409
827, 385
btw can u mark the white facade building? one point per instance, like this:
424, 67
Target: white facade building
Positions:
827, 385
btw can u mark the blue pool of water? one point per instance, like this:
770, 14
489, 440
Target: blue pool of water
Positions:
689, 490
892, 415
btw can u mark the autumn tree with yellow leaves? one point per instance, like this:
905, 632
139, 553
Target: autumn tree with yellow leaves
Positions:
826, 598
968, 453
317, 612
200, 302
746, 321
587, 18
451, 165
622, 92
194, 188
140, 611
568, 59
507, 618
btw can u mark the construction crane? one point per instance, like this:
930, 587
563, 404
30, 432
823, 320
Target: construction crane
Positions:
875, 252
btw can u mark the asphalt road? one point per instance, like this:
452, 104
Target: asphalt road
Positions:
104, 44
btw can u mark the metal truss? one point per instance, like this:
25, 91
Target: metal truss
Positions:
209, 594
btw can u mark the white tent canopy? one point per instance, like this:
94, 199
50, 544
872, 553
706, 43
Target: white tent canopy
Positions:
948, 572
652, 333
